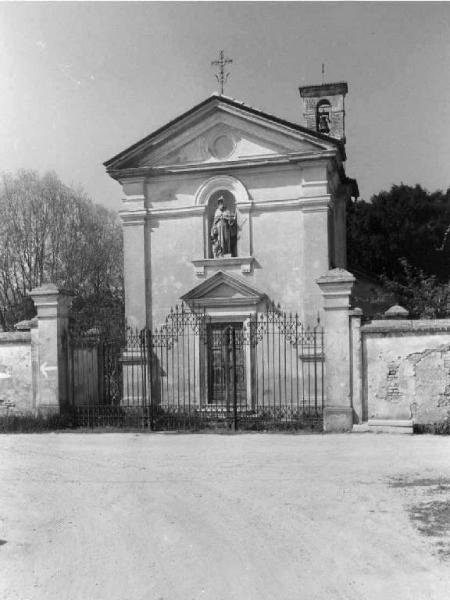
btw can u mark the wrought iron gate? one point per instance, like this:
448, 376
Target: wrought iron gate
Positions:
265, 372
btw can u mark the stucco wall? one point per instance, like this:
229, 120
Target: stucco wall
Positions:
16, 391
289, 247
406, 368
277, 245
174, 243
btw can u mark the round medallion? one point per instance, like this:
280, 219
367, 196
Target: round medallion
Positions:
222, 146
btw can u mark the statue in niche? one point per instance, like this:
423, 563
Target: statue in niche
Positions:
223, 231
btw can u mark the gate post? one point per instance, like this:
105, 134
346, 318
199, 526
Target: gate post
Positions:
234, 425
51, 368
336, 286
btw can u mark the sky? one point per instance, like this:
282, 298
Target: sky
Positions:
81, 81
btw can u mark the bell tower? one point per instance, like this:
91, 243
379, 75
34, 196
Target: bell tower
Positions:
324, 108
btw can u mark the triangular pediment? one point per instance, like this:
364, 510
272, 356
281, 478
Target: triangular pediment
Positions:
219, 131
223, 288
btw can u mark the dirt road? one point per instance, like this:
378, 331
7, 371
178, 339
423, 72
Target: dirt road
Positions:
217, 517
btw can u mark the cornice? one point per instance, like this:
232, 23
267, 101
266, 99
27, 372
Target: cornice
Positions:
244, 262
324, 89
307, 205
224, 302
15, 337
316, 204
135, 217
184, 211
286, 159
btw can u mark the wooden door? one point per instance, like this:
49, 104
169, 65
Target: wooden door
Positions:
226, 365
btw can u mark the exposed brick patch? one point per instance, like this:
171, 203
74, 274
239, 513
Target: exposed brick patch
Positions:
444, 398
392, 387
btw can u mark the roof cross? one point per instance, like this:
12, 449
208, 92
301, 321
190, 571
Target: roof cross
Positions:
221, 63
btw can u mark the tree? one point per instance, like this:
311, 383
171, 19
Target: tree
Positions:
422, 295
51, 232
404, 223
403, 237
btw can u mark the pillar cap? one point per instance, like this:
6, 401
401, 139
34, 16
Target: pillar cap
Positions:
337, 275
48, 289
396, 312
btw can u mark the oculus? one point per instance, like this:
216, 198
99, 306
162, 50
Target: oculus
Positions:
222, 146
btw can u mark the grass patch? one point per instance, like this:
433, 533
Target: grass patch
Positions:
433, 520
14, 423
441, 428
430, 513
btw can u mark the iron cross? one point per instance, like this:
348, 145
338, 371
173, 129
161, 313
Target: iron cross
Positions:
221, 63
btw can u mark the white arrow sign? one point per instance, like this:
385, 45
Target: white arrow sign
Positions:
5, 372
45, 369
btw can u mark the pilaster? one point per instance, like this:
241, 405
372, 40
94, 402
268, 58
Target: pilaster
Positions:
137, 268
136, 242
245, 242
315, 254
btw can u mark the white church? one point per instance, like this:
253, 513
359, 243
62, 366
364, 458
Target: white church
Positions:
232, 211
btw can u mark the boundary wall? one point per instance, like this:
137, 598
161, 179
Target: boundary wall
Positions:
386, 375
33, 361
405, 372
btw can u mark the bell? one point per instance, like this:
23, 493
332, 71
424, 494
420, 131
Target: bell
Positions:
323, 124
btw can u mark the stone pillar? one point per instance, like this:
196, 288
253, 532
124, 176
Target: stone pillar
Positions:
52, 307
356, 365
336, 286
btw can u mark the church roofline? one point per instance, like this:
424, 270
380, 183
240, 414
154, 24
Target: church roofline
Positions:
214, 98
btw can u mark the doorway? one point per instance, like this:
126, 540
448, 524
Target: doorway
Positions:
226, 365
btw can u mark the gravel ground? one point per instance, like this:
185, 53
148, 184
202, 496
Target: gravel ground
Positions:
224, 517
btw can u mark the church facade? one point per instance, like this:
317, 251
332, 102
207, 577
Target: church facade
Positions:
233, 211
285, 185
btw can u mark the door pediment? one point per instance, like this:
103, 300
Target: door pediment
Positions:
224, 290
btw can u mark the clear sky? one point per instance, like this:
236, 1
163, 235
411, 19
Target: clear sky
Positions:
82, 81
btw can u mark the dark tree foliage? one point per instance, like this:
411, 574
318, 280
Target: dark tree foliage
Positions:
402, 237
103, 310
53, 233
421, 294
404, 223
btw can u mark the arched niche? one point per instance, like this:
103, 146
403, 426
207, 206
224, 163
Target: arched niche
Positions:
222, 182
235, 196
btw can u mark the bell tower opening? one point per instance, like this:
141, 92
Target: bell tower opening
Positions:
324, 108
323, 116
